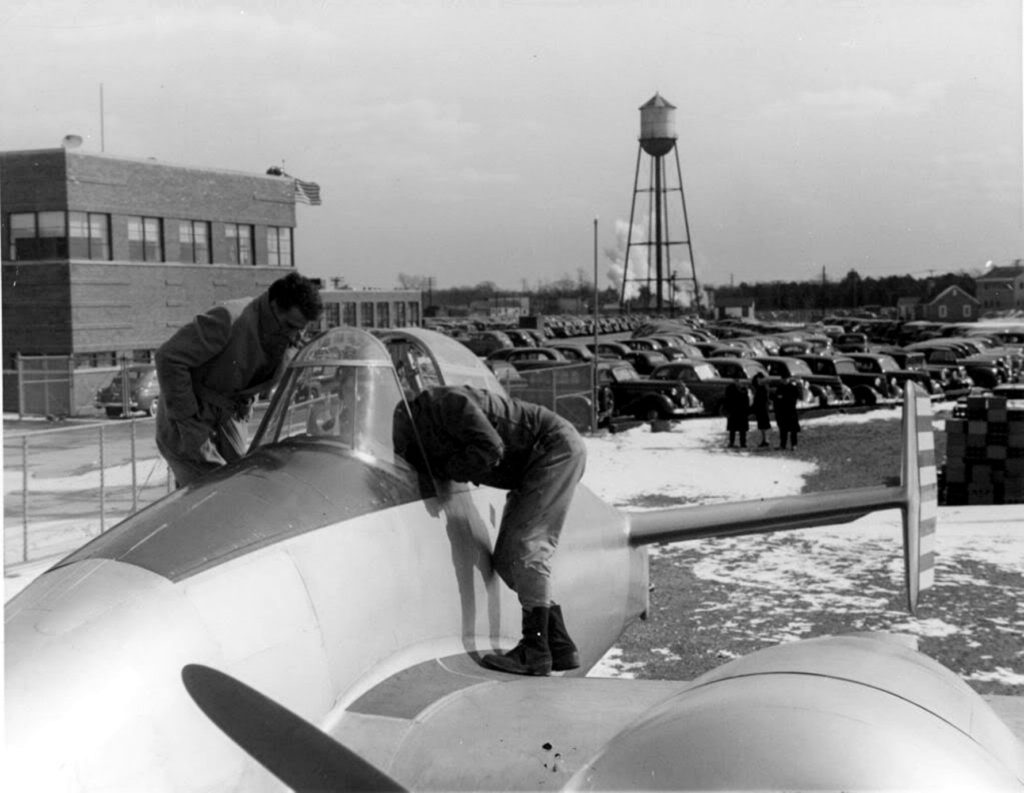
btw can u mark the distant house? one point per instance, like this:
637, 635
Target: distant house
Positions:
952, 304
908, 308
739, 307
1002, 288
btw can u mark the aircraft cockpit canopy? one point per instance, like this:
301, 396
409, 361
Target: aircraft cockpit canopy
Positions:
342, 388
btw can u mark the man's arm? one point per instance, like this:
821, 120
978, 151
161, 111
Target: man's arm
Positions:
191, 346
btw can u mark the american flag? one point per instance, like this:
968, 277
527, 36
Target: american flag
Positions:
307, 192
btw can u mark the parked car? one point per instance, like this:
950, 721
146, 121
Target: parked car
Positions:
645, 361
484, 342
612, 348
700, 377
624, 392
984, 372
577, 352
143, 392
521, 337
529, 357
886, 366
649, 344
827, 390
851, 342
951, 378
868, 389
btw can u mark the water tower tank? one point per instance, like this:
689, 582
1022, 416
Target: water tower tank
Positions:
657, 126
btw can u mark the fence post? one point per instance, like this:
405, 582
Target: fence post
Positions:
24, 498
72, 406
125, 386
21, 385
135, 492
103, 480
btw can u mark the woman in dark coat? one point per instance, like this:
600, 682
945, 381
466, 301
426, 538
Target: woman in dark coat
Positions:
760, 407
737, 413
786, 397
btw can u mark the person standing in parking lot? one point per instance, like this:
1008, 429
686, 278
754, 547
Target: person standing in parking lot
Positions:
212, 368
737, 413
786, 397
760, 407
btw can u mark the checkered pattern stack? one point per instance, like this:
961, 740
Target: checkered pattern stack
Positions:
985, 453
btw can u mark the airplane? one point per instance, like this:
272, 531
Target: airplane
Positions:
313, 616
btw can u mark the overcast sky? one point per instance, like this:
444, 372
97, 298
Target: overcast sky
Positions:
478, 141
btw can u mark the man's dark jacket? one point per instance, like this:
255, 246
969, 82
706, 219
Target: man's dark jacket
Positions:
473, 435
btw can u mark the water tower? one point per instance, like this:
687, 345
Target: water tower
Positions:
657, 139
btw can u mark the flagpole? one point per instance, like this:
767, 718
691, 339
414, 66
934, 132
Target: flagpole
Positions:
594, 406
103, 137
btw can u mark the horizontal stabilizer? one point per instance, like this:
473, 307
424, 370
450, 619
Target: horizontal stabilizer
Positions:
916, 496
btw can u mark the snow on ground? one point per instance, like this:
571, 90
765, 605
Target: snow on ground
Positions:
825, 567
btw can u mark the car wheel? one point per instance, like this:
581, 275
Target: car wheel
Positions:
113, 413
153, 407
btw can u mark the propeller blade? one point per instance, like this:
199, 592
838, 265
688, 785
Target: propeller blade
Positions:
295, 751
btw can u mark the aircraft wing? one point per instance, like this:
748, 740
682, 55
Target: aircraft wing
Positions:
860, 711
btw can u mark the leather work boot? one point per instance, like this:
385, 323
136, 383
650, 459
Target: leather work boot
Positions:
531, 656
564, 653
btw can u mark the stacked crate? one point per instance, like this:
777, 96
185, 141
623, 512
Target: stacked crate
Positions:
985, 453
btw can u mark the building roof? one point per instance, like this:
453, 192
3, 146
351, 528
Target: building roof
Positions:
98, 155
1010, 272
953, 291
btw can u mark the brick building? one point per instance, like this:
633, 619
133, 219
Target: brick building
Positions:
1002, 288
104, 257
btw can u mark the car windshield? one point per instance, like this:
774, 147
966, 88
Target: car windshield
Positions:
620, 373
799, 368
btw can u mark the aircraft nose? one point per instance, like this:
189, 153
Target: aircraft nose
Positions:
89, 649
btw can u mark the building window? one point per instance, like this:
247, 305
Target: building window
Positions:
943, 312
38, 235
239, 237
967, 310
349, 315
400, 319
383, 315
279, 246
366, 315
194, 242
332, 311
88, 235
145, 241
414, 314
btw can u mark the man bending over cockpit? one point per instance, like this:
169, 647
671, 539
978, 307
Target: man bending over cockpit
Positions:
487, 438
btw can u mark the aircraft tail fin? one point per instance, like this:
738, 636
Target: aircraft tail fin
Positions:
916, 497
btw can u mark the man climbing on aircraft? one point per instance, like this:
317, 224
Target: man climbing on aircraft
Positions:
212, 368
473, 435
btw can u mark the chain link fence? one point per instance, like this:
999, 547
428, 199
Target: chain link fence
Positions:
566, 389
65, 486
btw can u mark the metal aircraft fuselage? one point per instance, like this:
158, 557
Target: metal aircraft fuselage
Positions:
324, 573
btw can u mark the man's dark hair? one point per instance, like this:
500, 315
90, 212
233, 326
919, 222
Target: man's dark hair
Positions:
296, 290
